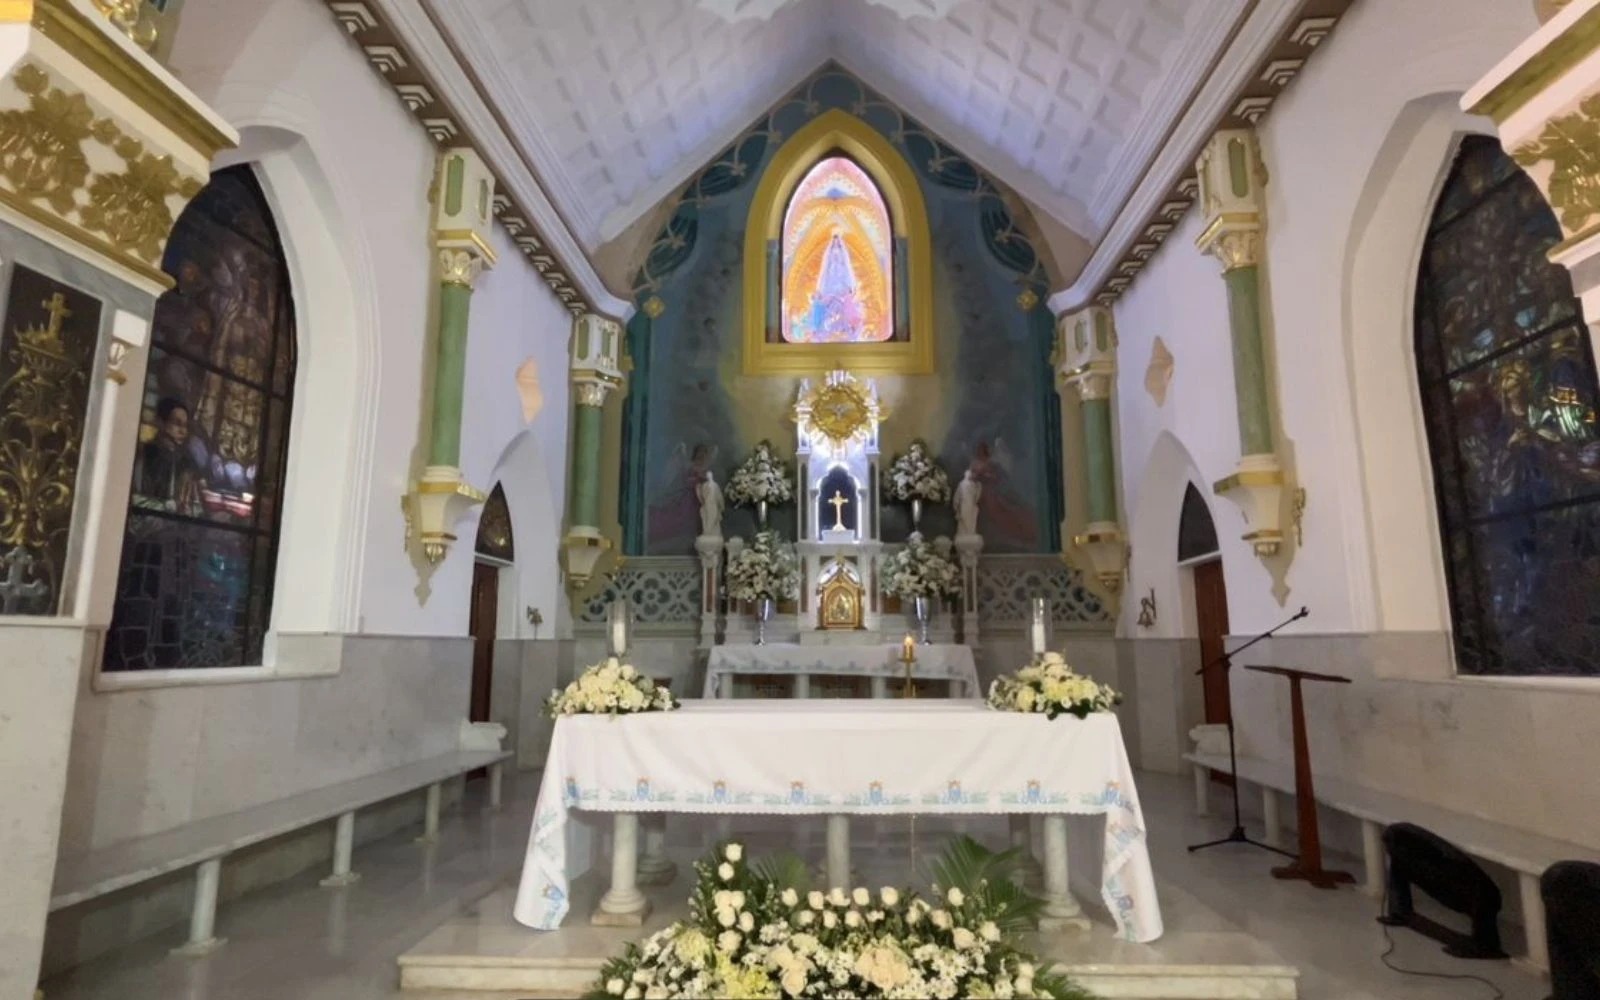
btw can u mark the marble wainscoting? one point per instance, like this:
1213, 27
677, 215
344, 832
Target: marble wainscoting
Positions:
38, 683
144, 760
1164, 700
542, 664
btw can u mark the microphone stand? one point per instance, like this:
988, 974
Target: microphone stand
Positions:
1225, 661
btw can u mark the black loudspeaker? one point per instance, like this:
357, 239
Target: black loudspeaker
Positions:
1571, 892
1420, 858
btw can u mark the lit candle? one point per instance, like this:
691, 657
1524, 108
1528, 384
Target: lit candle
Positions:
619, 637
908, 648
1037, 633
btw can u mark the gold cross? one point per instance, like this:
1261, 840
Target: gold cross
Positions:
56, 306
839, 504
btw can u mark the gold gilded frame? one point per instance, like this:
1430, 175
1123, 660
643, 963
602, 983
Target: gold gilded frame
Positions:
838, 131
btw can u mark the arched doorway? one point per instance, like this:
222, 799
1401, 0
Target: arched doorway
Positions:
1199, 555
494, 551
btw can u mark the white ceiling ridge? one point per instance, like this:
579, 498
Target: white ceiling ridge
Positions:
1177, 88
620, 218
500, 152
1067, 211
1260, 32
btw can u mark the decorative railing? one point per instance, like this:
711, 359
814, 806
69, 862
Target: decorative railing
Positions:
665, 591
1006, 584
661, 590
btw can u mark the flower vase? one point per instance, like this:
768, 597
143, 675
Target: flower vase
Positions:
763, 615
761, 514
922, 608
916, 514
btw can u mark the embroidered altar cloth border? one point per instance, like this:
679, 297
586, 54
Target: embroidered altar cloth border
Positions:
822, 757
942, 662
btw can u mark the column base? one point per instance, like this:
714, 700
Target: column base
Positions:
439, 499
621, 912
1257, 489
1107, 550
584, 546
340, 881
1073, 923
656, 871
199, 949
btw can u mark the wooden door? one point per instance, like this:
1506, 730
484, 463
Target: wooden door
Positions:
1211, 618
482, 624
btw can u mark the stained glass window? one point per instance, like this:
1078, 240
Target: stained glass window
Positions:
200, 547
838, 248
1509, 398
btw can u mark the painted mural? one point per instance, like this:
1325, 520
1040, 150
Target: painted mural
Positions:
990, 406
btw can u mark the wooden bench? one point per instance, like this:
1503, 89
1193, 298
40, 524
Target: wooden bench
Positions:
1527, 854
203, 844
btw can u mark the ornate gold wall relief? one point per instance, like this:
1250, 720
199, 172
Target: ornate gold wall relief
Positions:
1571, 143
47, 156
47, 351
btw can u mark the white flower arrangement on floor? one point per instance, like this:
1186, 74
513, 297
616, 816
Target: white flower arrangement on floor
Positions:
1050, 687
918, 570
757, 932
915, 476
610, 688
764, 570
761, 478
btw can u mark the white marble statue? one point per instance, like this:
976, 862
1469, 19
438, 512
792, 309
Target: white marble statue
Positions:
710, 496
968, 492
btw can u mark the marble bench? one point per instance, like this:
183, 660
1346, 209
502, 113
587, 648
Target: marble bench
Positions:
1525, 853
203, 844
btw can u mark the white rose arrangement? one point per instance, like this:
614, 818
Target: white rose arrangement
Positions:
1050, 687
916, 476
764, 570
753, 931
760, 478
610, 688
918, 570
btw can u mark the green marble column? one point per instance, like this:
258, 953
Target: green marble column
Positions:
450, 371
1099, 462
1249, 360
588, 418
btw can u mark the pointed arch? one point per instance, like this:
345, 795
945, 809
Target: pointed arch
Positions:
836, 139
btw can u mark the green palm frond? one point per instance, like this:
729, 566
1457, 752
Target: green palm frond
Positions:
784, 871
1056, 985
995, 877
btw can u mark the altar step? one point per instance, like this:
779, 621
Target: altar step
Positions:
483, 954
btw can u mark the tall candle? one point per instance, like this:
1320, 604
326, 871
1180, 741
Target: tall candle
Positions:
1036, 631
619, 636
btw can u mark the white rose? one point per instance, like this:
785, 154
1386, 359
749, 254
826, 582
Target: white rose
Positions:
725, 872
861, 897
852, 918
734, 852
837, 897
641, 976
874, 916
657, 993
614, 987
941, 919
889, 894
814, 899
736, 900
726, 917
830, 919
794, 980
728, 941
747, 923
989, 931
956, 897
1024, 986
1025, 970
805, 919
963, 938
632, 994
790, 898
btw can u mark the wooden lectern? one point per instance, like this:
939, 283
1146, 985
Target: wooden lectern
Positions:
1309, 865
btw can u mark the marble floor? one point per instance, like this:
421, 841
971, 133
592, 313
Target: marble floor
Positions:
296, 941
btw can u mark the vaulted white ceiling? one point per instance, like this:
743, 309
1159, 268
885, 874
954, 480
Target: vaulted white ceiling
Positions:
618, 102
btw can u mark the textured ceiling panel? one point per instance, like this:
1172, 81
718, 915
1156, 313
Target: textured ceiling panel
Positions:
617, 102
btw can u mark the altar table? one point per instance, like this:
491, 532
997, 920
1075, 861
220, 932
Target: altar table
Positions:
880, 662
840, 758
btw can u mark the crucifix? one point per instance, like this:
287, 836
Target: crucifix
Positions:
839, 504
13, 591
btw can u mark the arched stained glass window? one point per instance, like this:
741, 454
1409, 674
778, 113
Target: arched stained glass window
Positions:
1509, 398
838, 258
200, 547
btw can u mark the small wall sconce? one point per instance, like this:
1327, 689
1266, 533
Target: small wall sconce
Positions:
535, 619
1147, 609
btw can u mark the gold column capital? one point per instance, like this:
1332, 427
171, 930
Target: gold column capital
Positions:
459, 267
1231, 177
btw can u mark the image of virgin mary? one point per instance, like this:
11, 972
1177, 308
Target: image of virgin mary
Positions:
836, 314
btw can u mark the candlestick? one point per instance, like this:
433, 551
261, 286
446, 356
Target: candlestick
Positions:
1038, 629
618, 627
908, 656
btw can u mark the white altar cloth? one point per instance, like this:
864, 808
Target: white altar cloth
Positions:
941, 662
842, 757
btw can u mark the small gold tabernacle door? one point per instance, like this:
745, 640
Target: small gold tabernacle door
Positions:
841, 597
